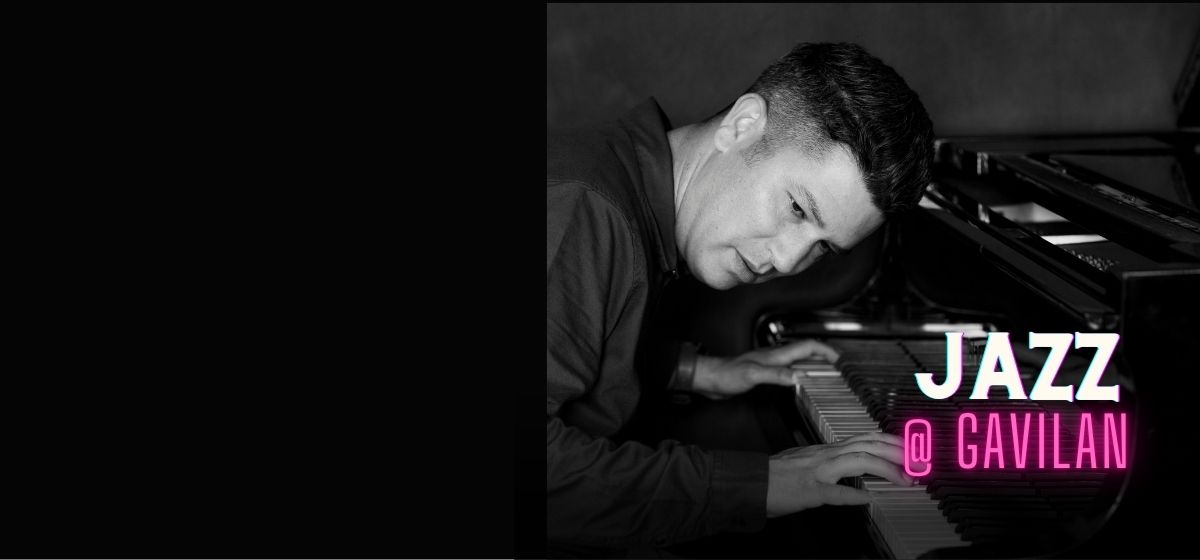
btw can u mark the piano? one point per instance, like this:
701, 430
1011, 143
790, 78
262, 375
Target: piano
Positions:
1048, 234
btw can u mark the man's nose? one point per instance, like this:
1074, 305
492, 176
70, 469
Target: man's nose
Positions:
789, 253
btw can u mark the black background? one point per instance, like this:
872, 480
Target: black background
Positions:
243, 307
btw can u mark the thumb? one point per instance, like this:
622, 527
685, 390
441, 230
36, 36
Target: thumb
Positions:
838, 495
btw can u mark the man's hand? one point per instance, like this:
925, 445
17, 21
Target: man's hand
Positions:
720, 378
806, 477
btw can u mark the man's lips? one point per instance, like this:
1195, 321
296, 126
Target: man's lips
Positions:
749, 267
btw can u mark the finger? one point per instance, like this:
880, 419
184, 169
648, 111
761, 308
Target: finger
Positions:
893, 453
873, 436
838, 495
800, 350
772, 376
860, 463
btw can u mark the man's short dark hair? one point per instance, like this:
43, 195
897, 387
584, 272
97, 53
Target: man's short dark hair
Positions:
820, 93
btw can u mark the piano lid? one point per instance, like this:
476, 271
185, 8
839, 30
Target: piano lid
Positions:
1076, 217
1143, 189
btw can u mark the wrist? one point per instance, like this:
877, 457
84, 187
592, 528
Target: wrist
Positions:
702, 380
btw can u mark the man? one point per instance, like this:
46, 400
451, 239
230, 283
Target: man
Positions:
825, 144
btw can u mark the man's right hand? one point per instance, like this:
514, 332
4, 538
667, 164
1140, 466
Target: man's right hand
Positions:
806, 477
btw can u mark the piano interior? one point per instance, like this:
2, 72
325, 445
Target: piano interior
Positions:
1053, 234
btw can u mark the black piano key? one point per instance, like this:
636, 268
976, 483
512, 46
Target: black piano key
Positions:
990, 500
936, 486
959, 509
982, 489
976, 475
1070, 475
1070, 491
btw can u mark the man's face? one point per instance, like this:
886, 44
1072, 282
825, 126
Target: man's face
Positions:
740, 224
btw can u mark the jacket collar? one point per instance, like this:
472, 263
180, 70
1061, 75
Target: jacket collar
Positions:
647, 126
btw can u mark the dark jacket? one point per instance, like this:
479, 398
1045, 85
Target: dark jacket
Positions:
610, 249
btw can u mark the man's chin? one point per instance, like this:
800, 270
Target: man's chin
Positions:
721, 281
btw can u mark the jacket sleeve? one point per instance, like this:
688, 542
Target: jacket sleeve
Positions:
598, 492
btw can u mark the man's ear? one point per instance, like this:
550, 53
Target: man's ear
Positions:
743, 124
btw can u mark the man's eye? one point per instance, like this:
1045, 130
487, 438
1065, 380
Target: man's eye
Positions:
797, 210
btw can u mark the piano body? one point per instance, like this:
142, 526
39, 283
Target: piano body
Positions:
1053, 234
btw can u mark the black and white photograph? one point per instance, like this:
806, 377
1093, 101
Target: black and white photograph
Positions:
870, 281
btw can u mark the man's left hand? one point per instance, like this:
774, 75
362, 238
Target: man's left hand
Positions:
721, 378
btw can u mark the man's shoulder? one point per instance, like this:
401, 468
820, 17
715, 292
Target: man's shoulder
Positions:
591, 190
599, 160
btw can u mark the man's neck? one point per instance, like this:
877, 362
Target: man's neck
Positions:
687, 156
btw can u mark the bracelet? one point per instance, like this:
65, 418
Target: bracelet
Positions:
685, 370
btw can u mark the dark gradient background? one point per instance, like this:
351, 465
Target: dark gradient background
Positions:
979, 68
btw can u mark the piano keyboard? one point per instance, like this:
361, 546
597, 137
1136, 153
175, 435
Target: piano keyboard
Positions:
871, 388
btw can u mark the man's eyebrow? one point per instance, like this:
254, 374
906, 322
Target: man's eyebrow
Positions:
816, 212
812, 205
